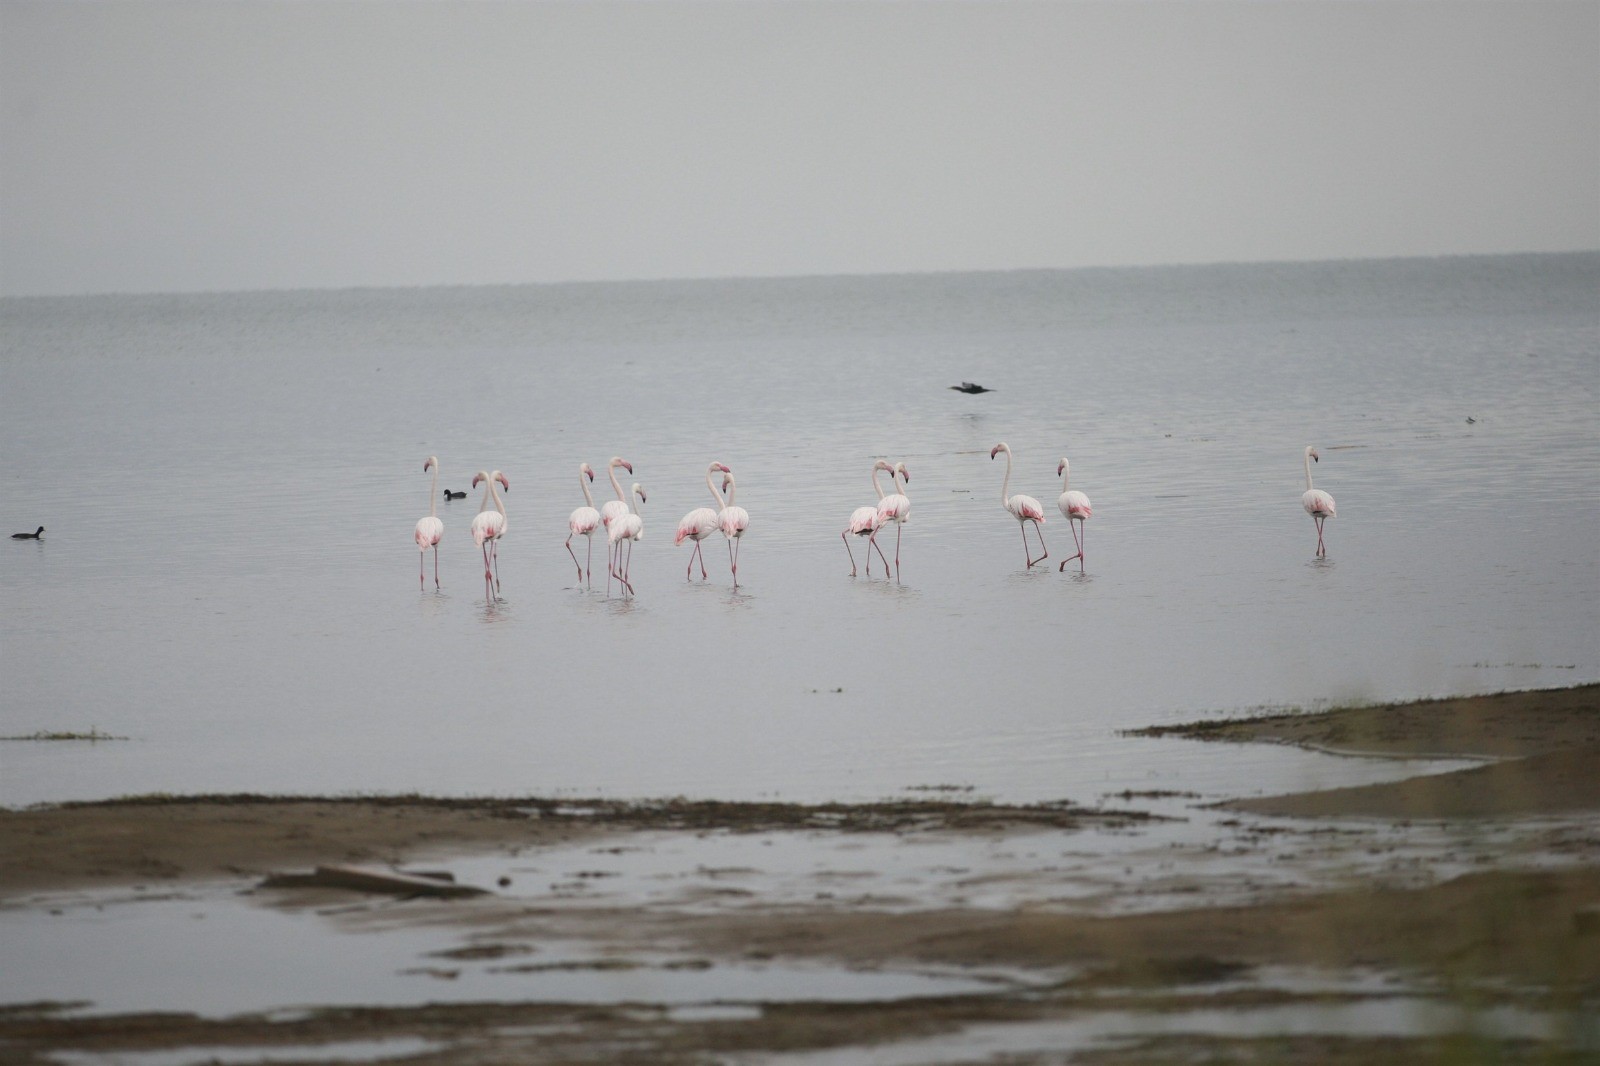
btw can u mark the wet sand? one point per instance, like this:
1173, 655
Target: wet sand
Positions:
1518, 931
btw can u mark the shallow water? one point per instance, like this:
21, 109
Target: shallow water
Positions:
229, 485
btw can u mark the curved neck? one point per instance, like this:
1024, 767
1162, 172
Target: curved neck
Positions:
638, 499
611, 472
900, 481
583, 483
1308, 469
1005, 486
499, 505
875, 486
483, 505
433, 494
716, 493
727, 479
1066, 475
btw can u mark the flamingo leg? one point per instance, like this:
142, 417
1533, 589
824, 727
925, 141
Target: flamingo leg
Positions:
733, 559
873, 540
575, 555
845, 536
488, 584
421, 559
435, 566
588, 567
1028, 551
494, 553
896, 552
1078, 543
1321, 551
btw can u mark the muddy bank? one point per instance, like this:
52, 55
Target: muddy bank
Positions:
1468, 922
1545, 745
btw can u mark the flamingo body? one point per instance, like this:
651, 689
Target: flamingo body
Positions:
429, 530
489, 526
624, 531
864, 522
1318, 504
700, 523
895, 508
1023, 508
583, 521
1076, 507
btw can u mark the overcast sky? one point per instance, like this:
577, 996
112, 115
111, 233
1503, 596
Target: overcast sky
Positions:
254, 145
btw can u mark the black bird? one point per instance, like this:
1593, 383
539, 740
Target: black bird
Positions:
455, 495
969, 387
27, 536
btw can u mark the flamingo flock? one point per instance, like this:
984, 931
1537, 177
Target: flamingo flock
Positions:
623, 520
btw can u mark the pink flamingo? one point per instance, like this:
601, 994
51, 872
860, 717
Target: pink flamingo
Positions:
488, 527
1075, 505
626, 530
896, 508
864, 523
583, 521
700, 523
733, 521
1024, 509
430, 529
614, 508
1318, 504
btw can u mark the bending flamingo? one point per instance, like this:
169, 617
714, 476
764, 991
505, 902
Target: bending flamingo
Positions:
1075, 505
700, 523
1318, 504
1024, 509
625, 531
864, 523
430, 529
733, 521
488, 527
583, 521
895, 508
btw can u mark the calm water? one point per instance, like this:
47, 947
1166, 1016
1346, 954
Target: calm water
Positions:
229, 485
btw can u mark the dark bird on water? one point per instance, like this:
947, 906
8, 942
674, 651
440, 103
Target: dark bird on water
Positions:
970, 387
455, 495
28, 536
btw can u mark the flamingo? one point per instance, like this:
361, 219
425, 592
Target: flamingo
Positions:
1075, 505
614, 508
1318, 504
700, 523
1024, 509
896, 508
864, 523
489, 526
430, 529
583, 521
629, 528
733, 521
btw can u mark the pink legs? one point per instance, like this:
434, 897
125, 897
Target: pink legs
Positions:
1321, 551
1079, 542
872, 542
583, 575
688, 573
1027, 552
733, 559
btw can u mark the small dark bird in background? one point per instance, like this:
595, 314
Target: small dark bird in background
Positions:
970, 388
1471, 421
455, 495
27, 536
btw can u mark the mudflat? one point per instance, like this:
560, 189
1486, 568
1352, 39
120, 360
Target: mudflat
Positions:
1488, 907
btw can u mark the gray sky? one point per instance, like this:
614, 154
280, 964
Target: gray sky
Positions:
250, 145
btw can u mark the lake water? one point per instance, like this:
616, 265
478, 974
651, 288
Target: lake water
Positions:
229, 485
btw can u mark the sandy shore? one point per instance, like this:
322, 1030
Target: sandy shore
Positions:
1489, 925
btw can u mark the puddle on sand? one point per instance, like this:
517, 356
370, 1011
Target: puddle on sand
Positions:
1401, 1017
351, 1051
221, 953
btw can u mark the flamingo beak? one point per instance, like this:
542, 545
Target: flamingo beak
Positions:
628, 467
993, 452
590, 473
1060, 467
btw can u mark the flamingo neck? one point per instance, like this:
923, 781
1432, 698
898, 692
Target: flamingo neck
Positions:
499, 505
899, 483
733, 488
483, 505
1005, 486
1308, 469
611, 472
583, 483
433, 494
716, 493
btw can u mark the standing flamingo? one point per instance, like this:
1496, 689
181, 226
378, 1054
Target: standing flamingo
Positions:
626, 530
733, 521
488, 527
614, 508
1024, 509
895, 508
1318, 504
1075, 505
700, 523
864, 523
583, 521
430, 529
